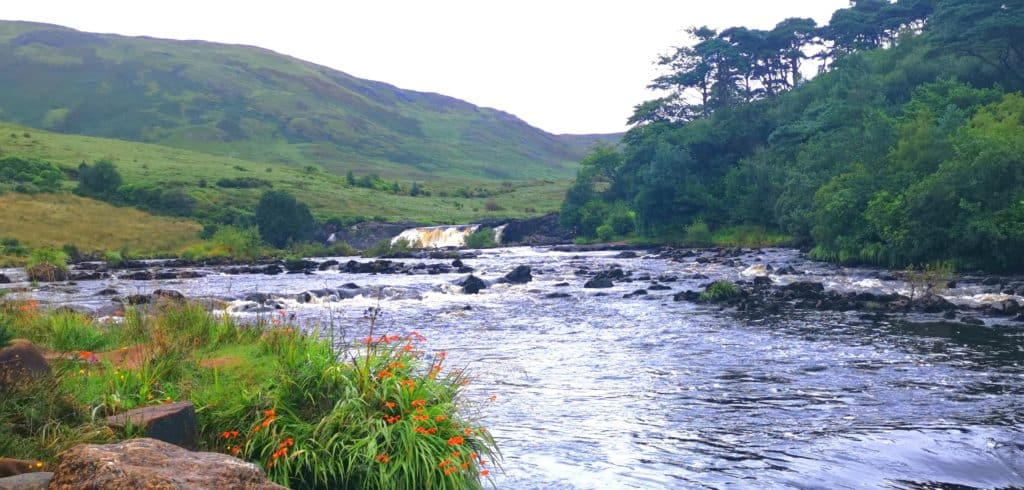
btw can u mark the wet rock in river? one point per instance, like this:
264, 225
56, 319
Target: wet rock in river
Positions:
4, 279
972, 320
520, 275
599, 283
327, 264
659, 287
634, 294
472, 285
107, 292
557, 295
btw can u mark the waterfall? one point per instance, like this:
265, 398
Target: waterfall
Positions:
437, 236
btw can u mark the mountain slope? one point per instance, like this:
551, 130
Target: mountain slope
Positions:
256, 104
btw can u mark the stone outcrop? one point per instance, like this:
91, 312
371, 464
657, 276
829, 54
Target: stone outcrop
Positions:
12, 467
472, 284
21, 361
152, 464
520, 275
174, 423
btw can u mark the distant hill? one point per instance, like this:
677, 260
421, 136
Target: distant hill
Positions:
252, 103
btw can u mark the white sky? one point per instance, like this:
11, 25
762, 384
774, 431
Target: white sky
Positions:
566, 66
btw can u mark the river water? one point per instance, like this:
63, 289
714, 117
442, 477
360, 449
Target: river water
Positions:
601, 391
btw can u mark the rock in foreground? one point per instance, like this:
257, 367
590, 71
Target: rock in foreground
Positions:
151, 464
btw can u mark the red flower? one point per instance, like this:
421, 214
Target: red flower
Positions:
383, 458
456, 441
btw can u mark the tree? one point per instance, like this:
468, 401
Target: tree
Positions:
99, 180
280, 218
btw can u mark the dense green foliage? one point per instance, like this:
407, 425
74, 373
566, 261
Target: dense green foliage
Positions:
282, 219
260, 105
98, 180
378, 414
29, 175
482, 238
908, 148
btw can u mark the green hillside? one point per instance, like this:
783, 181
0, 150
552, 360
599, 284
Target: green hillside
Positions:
149, 166
255, 104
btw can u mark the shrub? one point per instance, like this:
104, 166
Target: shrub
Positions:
5, 330
72, 332
482, 238
71, 251
46, 255
99, 180
281, 218
385, 248
698, 234
113, 258
719, 291
30, 175
336, 249
243, 183
492, 205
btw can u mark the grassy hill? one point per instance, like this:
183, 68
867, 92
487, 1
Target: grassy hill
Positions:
327, 194
56, 219
255, 104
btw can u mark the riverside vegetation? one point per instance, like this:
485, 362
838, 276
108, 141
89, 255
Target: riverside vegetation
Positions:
907, 148
381, 413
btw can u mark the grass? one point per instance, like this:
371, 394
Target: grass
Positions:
378, 414
719, 291
52, 220
326, 193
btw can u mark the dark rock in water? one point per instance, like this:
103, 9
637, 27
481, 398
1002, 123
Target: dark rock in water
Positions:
165, 275
46, 272
951, 285
762, 281
465, 269
638, 292
970, 320
190, 275
932, 303
949, 315
151, 464
562, 285
520, 275
258, 298
668, 278
991, 281
699, 277
327, 264
690, 296
1006, 307
107, 292
39, 480
542, 230
599, 283
350, 285
87, 276
173, 423
659, 287
1019, 318
803, 290
643, 277
557, 295
21, 361
298, 265
272, 270
304, 297
457, 263
628, 254
137, 299
472, 285
168, 295
4, 279
788, 270
137, 276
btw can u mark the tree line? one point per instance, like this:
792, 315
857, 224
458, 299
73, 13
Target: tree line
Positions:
906, 148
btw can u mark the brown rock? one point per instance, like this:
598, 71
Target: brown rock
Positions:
151, 464
46, 272
11, 466
173, 423
21, 361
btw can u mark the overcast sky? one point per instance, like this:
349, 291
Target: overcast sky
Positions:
565, 66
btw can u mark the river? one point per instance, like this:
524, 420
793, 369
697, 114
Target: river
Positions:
595, 390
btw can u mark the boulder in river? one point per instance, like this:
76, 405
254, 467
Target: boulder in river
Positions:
148, 463
472, 284
599, 283
520, 275
4, 279
46, 272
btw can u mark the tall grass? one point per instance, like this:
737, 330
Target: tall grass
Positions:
381, 414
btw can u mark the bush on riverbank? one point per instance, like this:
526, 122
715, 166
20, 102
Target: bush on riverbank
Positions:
383, 414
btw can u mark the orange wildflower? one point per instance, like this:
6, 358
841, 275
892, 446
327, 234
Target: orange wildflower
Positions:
383, 458
485, 472
384, 373
439, 418
390, 404
420, 418
419, 403
456, 441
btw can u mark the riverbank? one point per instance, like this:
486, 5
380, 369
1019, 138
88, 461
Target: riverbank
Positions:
381, 414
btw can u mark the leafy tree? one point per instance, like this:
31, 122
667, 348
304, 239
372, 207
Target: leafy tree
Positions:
98, 180
280, 218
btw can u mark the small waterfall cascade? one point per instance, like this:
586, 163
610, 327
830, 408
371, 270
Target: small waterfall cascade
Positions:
437, 236
443, 236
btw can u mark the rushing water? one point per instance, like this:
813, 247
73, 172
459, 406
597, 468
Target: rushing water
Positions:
601, 391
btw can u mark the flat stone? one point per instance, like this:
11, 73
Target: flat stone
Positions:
152, 464
173, 423
39, 480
